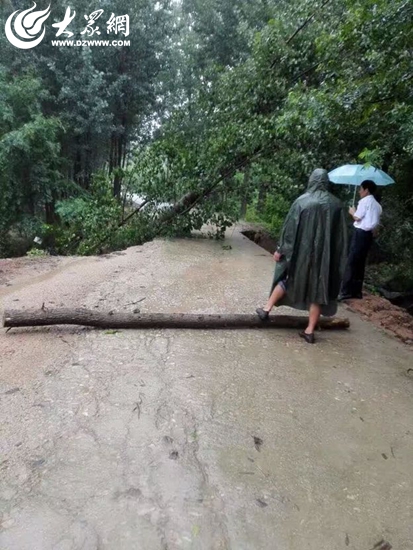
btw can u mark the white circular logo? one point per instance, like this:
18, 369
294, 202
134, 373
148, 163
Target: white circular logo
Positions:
27, 30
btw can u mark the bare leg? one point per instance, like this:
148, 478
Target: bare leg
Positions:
277, 294
314, 316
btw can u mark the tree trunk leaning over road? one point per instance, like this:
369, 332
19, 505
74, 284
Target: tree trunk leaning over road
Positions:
111, 320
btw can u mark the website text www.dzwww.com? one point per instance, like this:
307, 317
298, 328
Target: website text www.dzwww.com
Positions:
89, 43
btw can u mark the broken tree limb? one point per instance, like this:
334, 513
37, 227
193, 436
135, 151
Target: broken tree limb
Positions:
112, 320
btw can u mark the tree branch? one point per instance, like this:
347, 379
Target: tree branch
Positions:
301, 27
309, 70
189, 201
121, 224
306, 22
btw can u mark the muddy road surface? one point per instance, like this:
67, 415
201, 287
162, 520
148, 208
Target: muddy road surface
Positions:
182, 439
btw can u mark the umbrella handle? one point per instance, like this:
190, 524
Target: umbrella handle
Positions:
354, 196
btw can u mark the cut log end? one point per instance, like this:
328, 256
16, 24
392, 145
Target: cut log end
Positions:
112, 320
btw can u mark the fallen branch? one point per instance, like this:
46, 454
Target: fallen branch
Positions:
191, 199
112, 320
120, 224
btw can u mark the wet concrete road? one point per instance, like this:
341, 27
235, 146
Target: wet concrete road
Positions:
155, 440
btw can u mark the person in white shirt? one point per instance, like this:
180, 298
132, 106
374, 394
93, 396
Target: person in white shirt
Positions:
366, 220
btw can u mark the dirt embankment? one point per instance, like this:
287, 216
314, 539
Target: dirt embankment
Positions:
382, 313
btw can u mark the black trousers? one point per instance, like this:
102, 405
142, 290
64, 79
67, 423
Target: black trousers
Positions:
356, 263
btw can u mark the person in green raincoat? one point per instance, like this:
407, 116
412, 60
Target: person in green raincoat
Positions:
312, 255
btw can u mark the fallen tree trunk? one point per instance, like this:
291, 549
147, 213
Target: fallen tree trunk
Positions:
111, 320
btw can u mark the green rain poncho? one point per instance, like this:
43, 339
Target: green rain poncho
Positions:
313, 245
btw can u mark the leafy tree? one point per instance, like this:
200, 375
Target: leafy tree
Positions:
222, 109
29, 153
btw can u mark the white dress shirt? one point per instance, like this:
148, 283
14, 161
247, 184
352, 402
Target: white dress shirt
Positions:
368, 213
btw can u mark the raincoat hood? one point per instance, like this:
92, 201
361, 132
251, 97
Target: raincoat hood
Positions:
318, 181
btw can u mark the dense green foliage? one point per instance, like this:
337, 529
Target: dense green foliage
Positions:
230, 103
